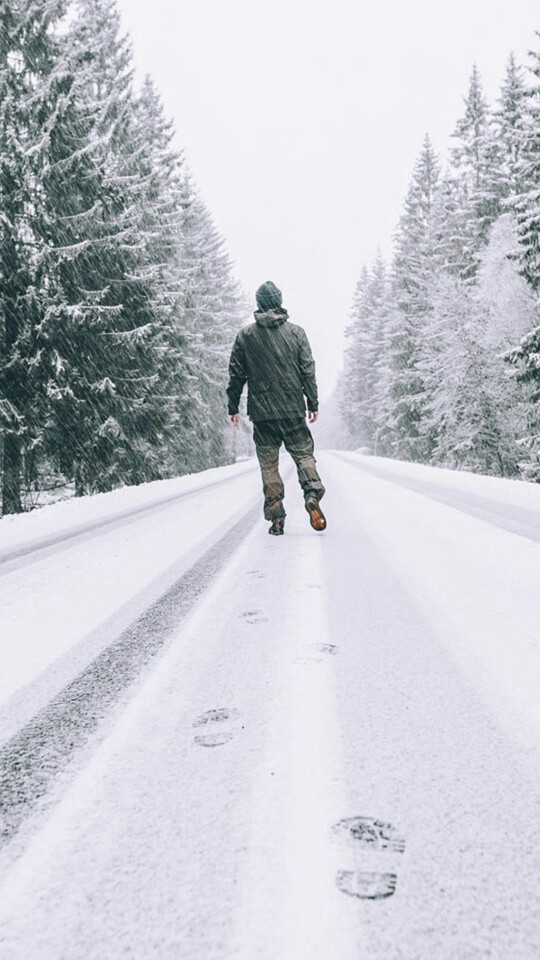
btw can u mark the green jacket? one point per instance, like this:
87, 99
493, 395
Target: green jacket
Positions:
274, 357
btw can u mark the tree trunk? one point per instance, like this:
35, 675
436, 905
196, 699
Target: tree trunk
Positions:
11, 492
79, 482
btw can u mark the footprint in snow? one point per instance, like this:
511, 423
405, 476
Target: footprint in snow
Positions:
253, 616
315, 655
212, 739
218, 716
366, 886
330, 648
369, 833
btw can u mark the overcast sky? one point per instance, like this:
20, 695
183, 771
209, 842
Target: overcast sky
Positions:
301, 120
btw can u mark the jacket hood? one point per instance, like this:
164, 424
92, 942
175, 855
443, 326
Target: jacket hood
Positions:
271, 318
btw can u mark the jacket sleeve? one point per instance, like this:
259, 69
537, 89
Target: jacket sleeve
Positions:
307, 370
237, 375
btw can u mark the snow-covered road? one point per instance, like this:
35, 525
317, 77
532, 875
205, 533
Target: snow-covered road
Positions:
218, 745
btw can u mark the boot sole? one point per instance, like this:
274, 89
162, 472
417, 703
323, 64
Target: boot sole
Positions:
317, 518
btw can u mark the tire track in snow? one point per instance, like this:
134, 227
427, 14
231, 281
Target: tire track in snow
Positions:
37, 754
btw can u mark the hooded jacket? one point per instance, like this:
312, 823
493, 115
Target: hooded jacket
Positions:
274, 357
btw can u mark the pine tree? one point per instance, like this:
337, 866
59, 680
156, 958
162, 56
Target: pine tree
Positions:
413, 242
162, 217
502, 290
510, 126
476, 159
412, 270
527, 205
526, 356
101, 327
508, 307
28, 52
466, 414
213, 308
469, 154
377, 406
355, 360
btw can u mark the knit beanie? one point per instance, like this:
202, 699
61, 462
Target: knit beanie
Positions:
268, 296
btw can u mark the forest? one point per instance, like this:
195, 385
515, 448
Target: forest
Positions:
442, 364
118, 303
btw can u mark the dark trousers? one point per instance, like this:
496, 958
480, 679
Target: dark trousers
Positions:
296, 435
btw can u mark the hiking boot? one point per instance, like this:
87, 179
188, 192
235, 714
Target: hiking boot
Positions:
317, 518
277, 527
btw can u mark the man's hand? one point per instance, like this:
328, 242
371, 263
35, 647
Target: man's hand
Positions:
234, 418
313, 415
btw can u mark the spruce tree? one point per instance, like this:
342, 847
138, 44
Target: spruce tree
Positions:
476, 159
355, 360
526, 355
467, 410
28, 55
102, 329
213, 309
510, 126
412, 270
163, 170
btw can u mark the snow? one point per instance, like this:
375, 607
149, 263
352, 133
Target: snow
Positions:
387, 668
477, 583
63, 605
30, 531
507, 493
105, 557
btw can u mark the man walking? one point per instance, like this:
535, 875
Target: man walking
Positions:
274, 357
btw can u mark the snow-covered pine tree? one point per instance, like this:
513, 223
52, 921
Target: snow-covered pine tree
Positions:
476, 160
377, 407
449, 227
502, 290
355, 359
364, 386
527, 204
510, 127
28, 54
467, 413
213, 308
161, 217
102, 328
526, 356
412, 269
508, 306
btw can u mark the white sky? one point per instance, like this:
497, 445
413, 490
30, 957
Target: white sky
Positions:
301, 120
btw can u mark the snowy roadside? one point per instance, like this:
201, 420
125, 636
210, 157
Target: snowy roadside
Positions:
63, 608
477, 584
69, 517
512, 492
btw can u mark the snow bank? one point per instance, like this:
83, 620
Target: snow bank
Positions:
512, 492
476, 584
23, 532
